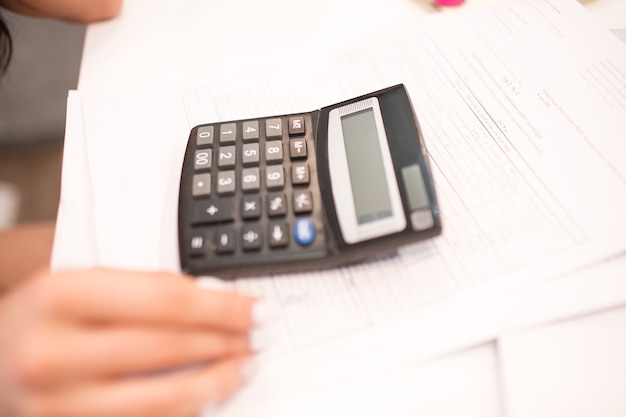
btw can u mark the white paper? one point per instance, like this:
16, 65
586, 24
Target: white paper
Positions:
74, 239
574, 368
439, 387
522, 108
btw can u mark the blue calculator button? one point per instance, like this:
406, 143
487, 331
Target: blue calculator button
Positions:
304, 232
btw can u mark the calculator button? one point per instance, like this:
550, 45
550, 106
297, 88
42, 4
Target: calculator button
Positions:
228, 133
279, 235
251, 179
226, 182
296, 125
226, 157
274, 128
300, 174
250, 154
277, 205
197, 244
251, 237
302, 202
304, 232
204, 136
213, 211
225, 240
274, 152
201, 185
251, 207
297, 148
275, 176
250, 130
203, 159
422, 219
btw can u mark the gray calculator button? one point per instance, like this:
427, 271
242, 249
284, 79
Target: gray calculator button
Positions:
300, 174
250, 130
274, 152
275, 177
251, 238
302, 202
228, 133
201, 185
279, 235
225, 240
297, 148
226, 157
197, 244
206, 212
251, 207
296, 125
422, 219
274, 128
204, 136
251, 179
203, 159
226, 182
250, 154
276, 205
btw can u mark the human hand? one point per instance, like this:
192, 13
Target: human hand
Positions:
84, 11
117, 343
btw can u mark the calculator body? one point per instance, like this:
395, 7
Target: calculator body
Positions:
305, 191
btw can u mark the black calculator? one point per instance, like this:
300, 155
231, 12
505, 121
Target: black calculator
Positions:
305, 191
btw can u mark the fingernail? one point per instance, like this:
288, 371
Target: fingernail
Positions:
248, 369
211, 283
261, 338
263, 313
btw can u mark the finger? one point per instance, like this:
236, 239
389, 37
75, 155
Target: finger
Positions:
103, 295
81, 354
176, 394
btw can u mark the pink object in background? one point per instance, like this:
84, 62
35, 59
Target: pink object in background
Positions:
448, 2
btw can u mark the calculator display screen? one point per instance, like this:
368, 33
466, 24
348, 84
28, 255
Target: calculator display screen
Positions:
363, 180
365, 165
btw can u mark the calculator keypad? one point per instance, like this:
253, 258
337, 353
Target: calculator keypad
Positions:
254, 194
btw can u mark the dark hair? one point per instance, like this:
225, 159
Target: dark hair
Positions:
6, 46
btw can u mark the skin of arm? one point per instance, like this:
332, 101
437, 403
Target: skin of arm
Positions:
79, 11
24, 250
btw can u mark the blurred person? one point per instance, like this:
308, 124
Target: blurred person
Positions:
104, 342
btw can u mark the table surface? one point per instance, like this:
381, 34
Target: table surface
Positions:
180, 43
